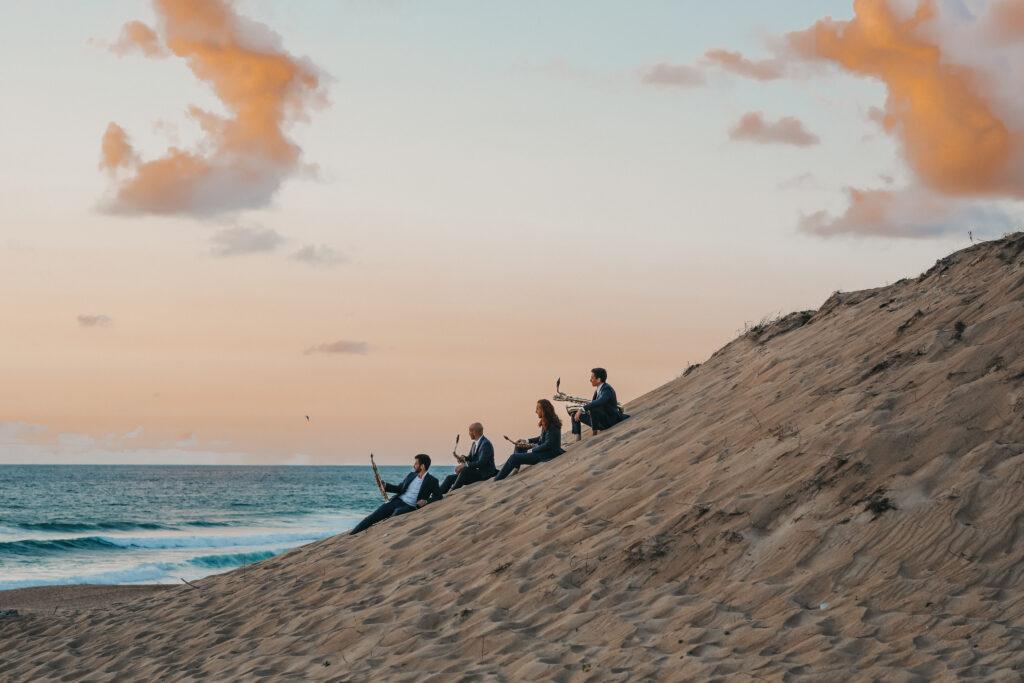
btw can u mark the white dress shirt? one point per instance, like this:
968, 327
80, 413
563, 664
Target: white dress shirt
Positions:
413, 492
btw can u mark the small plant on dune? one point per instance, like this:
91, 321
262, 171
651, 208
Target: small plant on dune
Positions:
647, 550
757, 329
783, 431
878, 503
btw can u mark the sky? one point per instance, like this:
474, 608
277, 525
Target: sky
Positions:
398, 218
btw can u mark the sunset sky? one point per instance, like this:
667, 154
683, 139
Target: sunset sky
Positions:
400, 217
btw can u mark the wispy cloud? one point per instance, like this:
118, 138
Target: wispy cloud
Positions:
341, 346
802, 181
911, 213
19, 432
238, 240
735, 62
94, 320
139, 38
666, 74
788, 130
318, 255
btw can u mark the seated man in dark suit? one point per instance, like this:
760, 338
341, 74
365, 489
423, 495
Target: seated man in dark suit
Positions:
603, 411
418, 489
479, 465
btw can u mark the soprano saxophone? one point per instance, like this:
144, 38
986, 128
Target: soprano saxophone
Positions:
376, 476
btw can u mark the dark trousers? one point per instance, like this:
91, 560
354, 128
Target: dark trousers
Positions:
394, 507
516, 460
577, 427
464, 478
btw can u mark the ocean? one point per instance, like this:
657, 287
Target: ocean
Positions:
119, 524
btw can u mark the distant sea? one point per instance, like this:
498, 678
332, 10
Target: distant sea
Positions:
116, 524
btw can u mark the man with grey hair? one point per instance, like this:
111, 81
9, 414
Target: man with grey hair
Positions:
479, 464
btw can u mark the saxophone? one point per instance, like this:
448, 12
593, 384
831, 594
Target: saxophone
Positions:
520, 443
576, 402
380, 482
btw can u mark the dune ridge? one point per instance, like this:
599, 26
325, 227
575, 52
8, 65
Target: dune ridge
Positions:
837, 495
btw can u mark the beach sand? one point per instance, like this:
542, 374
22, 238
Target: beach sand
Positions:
837, 495
50, 599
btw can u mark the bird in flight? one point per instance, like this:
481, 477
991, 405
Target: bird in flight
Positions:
307, 418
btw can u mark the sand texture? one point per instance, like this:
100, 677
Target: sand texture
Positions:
52, 599
838, 495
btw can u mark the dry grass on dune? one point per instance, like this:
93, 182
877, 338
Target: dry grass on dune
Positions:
837, 494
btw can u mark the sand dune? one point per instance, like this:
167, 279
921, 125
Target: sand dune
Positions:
836, 495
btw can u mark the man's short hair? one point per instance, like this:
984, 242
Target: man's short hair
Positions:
423, 459
601, 374
477, 427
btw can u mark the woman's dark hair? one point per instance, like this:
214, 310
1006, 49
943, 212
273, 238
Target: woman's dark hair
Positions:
424, 460
601, 374
550, 418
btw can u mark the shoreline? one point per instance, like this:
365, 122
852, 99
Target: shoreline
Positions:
41, 599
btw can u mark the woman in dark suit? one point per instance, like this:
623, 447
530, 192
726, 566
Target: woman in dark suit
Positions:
545, 447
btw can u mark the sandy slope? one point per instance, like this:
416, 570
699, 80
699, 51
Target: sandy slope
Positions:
839, 494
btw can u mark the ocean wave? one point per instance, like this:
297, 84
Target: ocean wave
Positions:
29, 547
150, 572
230, 560
72, 527
227, 541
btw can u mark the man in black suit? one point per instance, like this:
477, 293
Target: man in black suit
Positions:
603, 411
418, 489
479, 465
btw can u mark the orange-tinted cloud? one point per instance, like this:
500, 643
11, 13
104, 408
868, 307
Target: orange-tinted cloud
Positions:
137, 37
913, 212
115, 150
764, 70
672, 75
245, 156
951, 137
786, 131
1006, 20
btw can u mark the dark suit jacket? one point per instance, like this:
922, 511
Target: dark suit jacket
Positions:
430, 489
482, 461
604, 410
548, 444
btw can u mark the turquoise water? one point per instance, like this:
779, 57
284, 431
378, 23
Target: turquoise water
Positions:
62, 524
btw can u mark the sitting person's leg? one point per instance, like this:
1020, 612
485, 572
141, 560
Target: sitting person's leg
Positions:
380, 514
448, 482
403, 509
516, 460
468, 477
577, 427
